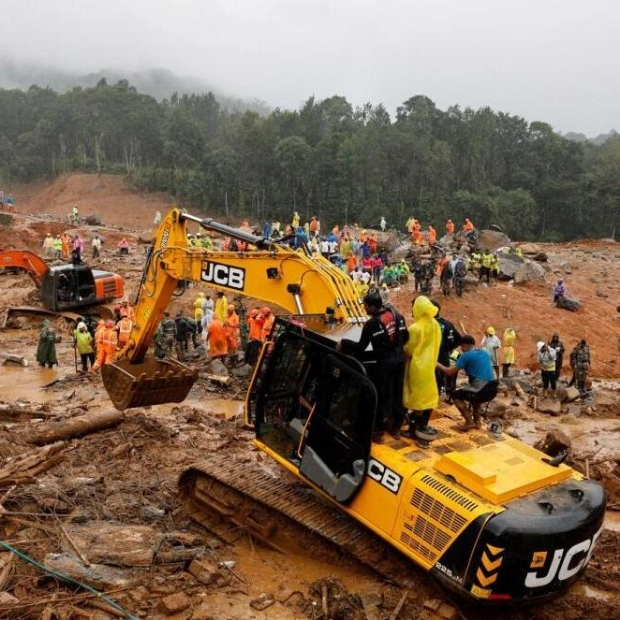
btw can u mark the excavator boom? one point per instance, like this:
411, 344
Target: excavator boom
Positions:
297, 281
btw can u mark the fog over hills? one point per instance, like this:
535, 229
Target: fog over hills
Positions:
159, 83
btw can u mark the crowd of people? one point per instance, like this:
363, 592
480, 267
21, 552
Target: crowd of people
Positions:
414, 365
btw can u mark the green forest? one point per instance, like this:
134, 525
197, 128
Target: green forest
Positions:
343, 164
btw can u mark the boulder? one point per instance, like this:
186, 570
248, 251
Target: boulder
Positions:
529, 271
93, 220
509, 264
491, 240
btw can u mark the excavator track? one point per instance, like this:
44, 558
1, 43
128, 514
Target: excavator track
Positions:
231, 499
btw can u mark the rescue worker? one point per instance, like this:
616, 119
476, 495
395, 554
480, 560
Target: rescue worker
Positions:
157, 218
491, 344
382, 330
124, 326
57, 246
432, 235
66, 245
559, 290
96, 246
546, 358
216, 339
75, 215
123, 247
255, 327
46, 351
221, 307
168, 330
449, 227
556, 343
485, 266
268, 319
450, 340
477, 365
231, 329
108, 345
84, 343
198, 309
183, 333
48, 246
468, 225
126, 310
508, 342
580, 362
295, 220
420, 394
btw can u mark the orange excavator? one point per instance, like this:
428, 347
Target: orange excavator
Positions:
65, 287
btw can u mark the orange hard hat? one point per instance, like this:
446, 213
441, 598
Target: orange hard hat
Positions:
109, 323
253, 312
266, 310
231, 307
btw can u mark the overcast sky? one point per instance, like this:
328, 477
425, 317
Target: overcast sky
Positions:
550, 60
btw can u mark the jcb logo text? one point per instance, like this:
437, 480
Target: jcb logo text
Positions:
384, 476
224, 275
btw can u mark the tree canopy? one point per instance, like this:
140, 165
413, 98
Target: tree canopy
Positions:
329, 159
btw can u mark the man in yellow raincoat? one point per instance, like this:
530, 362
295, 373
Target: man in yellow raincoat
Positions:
420, 393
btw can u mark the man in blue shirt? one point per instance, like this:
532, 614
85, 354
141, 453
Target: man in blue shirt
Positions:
482, 386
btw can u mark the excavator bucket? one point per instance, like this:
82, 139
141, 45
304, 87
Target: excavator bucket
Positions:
151, 382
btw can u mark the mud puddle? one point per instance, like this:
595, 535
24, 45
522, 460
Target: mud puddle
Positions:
18, 382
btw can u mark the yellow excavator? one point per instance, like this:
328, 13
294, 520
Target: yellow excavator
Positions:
493, 519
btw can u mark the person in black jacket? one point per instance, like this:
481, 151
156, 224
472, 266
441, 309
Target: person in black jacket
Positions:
387, 332
450, 340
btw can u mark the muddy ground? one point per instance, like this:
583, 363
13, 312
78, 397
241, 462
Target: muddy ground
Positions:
110, 496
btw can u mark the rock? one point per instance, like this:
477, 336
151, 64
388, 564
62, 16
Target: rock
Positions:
567, 394
492, 239
555, 441
529, 272
243, 371
216, 367
509, 264
8, 599
93, 220
554, 407
204, 572
174, 603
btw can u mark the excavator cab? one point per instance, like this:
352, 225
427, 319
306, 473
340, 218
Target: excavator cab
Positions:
314, 407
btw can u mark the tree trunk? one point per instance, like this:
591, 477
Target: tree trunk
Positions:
75, 427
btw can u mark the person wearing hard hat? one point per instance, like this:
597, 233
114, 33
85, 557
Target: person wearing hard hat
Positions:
491, 344
231, 329
84, 343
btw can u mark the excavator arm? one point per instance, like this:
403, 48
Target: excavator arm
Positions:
297, 281
34, 265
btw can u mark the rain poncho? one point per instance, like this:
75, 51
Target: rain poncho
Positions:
422, 349
508, 341
46, 351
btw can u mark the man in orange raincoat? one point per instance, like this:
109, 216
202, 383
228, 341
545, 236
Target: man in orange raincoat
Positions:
216, 338
231, 329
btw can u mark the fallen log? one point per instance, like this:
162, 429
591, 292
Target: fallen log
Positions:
92, 422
